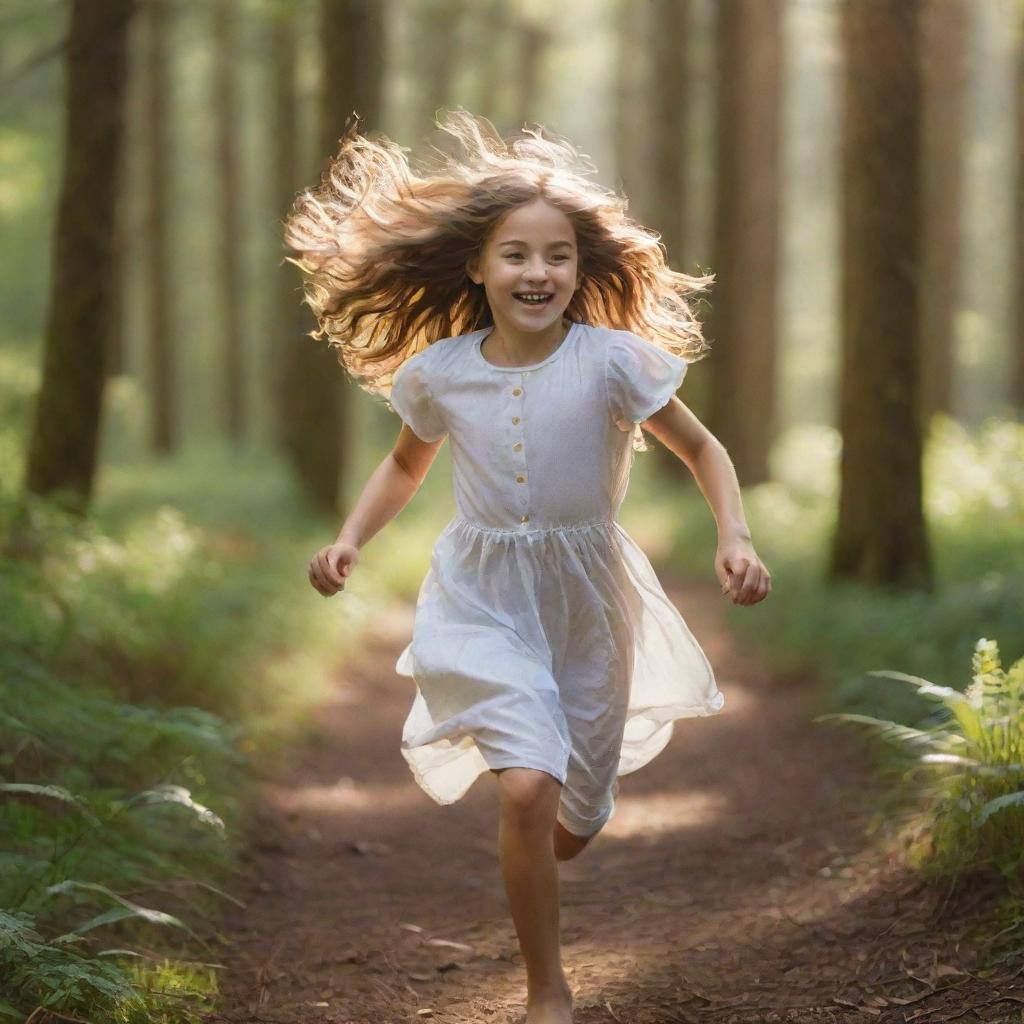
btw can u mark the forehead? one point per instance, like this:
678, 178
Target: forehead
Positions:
537, 221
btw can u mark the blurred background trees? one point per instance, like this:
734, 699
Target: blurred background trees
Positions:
845, 257
176, 446
722, 120
850, 172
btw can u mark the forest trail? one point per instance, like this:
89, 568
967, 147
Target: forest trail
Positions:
735, 882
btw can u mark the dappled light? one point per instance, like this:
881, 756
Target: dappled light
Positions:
511, 512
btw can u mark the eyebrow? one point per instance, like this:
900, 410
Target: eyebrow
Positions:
515, 241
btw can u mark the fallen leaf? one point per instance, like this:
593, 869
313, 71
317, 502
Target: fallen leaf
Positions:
368, 846
449, 944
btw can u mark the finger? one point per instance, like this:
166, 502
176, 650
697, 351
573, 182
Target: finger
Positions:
737, 566
728, 583
319, 583
751, 579
328, 571
340, 564
740, 572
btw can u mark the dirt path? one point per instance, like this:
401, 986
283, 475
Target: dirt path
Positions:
734, 884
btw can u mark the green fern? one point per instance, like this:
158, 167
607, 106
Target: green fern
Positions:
973, 808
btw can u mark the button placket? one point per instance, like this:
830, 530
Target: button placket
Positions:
519, 460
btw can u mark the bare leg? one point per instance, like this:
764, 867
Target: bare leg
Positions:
567, 844
529, 800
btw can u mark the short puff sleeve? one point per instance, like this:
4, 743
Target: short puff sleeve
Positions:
641, 378
413, 400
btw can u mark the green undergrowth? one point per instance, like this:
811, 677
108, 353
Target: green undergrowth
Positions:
155, 659
950, 770
959, 778
840, 632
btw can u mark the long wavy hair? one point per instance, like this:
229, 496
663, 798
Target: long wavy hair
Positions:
383, 249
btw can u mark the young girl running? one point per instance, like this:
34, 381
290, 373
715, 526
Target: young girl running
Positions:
506, 302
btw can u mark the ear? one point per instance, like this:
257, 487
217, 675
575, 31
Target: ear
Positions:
473, 270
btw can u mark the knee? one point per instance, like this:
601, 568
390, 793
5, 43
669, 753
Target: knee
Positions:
528, 796
567, 844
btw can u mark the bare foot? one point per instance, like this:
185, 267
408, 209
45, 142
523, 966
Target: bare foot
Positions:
549, 1006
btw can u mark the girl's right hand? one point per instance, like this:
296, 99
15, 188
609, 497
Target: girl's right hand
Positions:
331, 566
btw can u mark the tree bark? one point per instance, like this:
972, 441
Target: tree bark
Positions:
1017, 358
156, 148
631, 131
62, 448
669, 107
228, 179
533, 39
318, 396
670, 137
742, 326
492, 21
945, 30
294, 318
433, 67
880, 537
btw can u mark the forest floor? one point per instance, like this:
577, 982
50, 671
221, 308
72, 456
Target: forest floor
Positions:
736, 881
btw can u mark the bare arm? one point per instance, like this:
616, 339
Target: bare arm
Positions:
387, 491
737, 565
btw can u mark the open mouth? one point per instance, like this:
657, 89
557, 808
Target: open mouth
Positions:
533, 298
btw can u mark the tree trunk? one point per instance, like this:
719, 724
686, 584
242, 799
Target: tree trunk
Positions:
945, 28
1017, 358
294, 318
669, 110
533, 39
230, 277
318, 395
632, 131
492, 22
433, 26
670, 137
116, 362
62, 447
156, 171
880, 536
742, 322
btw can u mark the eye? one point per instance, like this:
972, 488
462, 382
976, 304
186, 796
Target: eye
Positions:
514, 255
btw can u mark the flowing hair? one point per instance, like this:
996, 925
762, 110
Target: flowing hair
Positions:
383, 249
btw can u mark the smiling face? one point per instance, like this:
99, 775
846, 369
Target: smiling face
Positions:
529, 268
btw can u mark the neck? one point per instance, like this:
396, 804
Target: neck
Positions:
507, 346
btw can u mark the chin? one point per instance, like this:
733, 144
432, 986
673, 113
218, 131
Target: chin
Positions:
533, 324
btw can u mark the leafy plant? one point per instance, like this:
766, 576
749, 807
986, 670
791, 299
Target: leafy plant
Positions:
969, 812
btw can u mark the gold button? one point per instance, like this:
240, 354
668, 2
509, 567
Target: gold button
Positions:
524, 519
515, 419
520, 479
518, 446
517, 392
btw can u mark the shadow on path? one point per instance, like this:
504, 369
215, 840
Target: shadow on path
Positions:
736, 881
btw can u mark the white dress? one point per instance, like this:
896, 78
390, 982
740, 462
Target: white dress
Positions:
542, 636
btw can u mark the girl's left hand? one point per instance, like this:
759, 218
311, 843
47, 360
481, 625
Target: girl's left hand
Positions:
742, 574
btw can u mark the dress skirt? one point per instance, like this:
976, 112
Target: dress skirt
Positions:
555, 649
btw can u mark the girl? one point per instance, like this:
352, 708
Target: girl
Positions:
506, 302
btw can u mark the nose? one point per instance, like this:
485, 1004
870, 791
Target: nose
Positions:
536, 271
